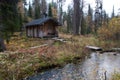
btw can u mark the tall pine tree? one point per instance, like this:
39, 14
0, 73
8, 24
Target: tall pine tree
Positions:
37, 9
30, 11
50, 11
10, 21
43, 7
69, 19
113, 13
89, 17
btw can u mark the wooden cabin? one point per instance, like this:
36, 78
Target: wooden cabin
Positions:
43, 27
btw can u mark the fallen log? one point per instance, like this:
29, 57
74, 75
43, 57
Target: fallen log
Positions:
39, 46
94, 48
116, 49
59, 39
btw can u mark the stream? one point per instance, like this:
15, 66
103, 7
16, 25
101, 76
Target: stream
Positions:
96, 67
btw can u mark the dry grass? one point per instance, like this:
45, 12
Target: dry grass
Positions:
17, 43
26, 61
116, 76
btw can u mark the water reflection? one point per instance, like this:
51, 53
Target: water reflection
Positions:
97, 67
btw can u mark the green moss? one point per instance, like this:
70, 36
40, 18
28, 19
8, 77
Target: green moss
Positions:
58, 43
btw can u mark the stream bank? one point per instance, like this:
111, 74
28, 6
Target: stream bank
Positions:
96, 67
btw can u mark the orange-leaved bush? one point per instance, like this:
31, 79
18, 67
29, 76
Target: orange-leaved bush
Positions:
110, 32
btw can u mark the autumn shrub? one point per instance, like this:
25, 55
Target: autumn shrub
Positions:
115, 76
110, 32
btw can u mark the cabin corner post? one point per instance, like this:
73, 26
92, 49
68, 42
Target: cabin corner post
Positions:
56, 31
32, 31
38, 31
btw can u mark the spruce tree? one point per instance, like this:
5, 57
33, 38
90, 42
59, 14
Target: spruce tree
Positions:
37, 9
43, 6
9, 18
69, 19
37, 12
90, 16
30, 11
83, 26
50, 11
113, 13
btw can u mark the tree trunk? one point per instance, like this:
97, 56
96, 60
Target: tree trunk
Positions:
2, 45
76, 17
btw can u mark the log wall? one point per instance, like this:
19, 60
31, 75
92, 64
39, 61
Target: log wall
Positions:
47, 29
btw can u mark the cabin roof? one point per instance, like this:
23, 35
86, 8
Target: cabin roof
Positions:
41, 21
